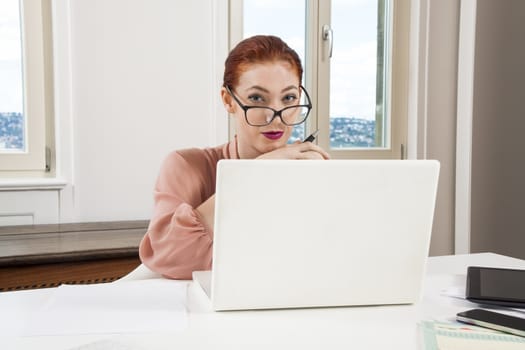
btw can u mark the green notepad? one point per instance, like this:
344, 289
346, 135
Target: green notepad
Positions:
443, 336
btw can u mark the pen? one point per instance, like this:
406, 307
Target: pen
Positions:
312, 136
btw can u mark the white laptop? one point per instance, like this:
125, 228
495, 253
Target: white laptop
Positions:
293, 234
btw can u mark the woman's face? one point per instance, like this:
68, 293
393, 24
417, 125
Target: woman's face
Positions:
271, 84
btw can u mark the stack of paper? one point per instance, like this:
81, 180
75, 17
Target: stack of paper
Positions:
126, 307
458, 336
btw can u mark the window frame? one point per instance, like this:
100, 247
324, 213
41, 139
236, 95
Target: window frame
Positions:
317, 81
37, 94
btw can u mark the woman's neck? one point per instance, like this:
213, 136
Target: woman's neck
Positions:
245, 151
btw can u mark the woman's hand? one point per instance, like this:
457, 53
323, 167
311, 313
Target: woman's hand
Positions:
297, 150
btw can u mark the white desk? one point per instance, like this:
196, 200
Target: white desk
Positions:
381, 327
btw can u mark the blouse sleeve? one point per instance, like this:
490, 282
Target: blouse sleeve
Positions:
177, 242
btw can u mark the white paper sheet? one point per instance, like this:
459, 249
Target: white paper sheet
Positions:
157, 305
108, 344
454, 292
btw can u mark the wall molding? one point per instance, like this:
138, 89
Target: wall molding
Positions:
23, 184
466, 62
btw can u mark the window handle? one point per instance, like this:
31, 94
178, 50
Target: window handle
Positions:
328, 35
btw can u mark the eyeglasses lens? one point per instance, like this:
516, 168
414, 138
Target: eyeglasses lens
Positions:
263, 116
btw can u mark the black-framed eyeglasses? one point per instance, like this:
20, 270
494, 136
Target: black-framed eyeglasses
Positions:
262, 116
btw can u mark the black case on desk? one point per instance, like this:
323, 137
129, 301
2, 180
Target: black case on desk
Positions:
496, 286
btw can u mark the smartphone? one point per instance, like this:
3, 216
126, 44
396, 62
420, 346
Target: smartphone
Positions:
493, 320
496, 286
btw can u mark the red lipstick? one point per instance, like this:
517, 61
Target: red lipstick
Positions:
273, 135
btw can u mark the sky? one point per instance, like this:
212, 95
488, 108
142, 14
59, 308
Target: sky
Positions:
353, 64
10, 63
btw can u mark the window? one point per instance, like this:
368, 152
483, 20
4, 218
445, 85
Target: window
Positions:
357, 74
356, 79
25, 92
12, 126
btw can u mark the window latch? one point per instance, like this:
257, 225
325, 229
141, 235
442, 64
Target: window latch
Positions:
48, 159
328, 36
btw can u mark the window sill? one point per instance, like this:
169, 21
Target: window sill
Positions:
25, 184
37, 256
54, 243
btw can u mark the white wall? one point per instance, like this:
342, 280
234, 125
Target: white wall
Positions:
172, 65
140, 83
169, 55
28, 207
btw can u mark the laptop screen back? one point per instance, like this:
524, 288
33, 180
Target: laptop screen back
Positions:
321, 233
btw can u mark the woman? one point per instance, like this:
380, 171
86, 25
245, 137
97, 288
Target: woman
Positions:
261, 89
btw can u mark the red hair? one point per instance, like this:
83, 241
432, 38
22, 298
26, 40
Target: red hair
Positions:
258, 49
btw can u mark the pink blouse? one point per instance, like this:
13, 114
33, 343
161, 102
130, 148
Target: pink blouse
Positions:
177, 241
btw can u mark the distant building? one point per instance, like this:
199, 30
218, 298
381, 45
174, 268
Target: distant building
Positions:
345, 132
